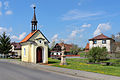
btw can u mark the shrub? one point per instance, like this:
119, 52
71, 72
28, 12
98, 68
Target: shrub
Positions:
96, 54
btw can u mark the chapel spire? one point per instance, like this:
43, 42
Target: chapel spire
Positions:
34, 21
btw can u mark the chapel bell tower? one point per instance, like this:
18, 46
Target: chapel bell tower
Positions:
34, 21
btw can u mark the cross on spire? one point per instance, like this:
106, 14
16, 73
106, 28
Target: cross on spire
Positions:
34, 21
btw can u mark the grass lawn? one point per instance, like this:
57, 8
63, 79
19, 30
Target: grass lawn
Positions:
82, 54
81, 64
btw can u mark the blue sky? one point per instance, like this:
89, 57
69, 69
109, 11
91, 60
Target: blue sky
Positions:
74, 21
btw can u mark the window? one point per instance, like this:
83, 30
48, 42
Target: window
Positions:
103, 41
40, 41
95, 42
45, 43
52, 53
24, 52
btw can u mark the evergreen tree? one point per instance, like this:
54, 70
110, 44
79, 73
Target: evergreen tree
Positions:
5, 44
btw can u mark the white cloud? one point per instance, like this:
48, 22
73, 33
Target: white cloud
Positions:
32, 5
2, 29
75, 32
74, 35
20, 37
41, 26
9, 12
77, 14
55, 37
0, 4
6, 4
81, 36
101, 28
86, 25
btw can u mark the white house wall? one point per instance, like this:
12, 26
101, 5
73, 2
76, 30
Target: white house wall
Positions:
38, 44
99, 44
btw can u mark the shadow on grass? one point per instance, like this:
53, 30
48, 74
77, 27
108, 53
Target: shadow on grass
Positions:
51, 62
54, 62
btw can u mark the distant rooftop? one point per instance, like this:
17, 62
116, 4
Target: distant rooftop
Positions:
99, 37
17, 46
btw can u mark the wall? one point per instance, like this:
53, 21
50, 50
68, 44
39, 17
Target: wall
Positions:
25, 57
108, 44
42, 45
31, 47
18, 52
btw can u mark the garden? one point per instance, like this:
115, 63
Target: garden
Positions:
82, 64
96, 61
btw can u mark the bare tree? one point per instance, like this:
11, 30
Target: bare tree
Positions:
52, 45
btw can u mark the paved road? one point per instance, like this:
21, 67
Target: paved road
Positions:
15, 72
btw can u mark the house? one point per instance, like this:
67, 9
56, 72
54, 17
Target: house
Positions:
87, 47
102, 41
16, 49
57, 49
35, 45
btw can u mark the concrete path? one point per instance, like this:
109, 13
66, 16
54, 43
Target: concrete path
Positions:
76, 73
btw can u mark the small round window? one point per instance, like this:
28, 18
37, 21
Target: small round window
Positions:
40, 41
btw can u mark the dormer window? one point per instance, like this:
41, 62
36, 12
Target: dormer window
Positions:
95, 42
103, 41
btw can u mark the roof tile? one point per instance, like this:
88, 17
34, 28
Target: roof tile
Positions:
87, 46
28, 36
101, 36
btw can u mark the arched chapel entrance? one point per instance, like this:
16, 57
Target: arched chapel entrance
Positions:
39, 55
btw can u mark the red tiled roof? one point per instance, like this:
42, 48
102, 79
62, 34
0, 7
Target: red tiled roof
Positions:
87, 46
17, 46
101, 36
67, 46
28, 36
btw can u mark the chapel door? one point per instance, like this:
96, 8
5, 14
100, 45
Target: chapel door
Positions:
39, 55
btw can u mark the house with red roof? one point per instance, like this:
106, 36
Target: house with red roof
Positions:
101, 41
16, 50
57, 49
87, 47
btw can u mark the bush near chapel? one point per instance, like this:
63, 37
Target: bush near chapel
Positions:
96, 54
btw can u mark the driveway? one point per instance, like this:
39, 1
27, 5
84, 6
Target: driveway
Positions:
10, 71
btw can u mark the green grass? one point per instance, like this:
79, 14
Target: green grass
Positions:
82, 54
81, 64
